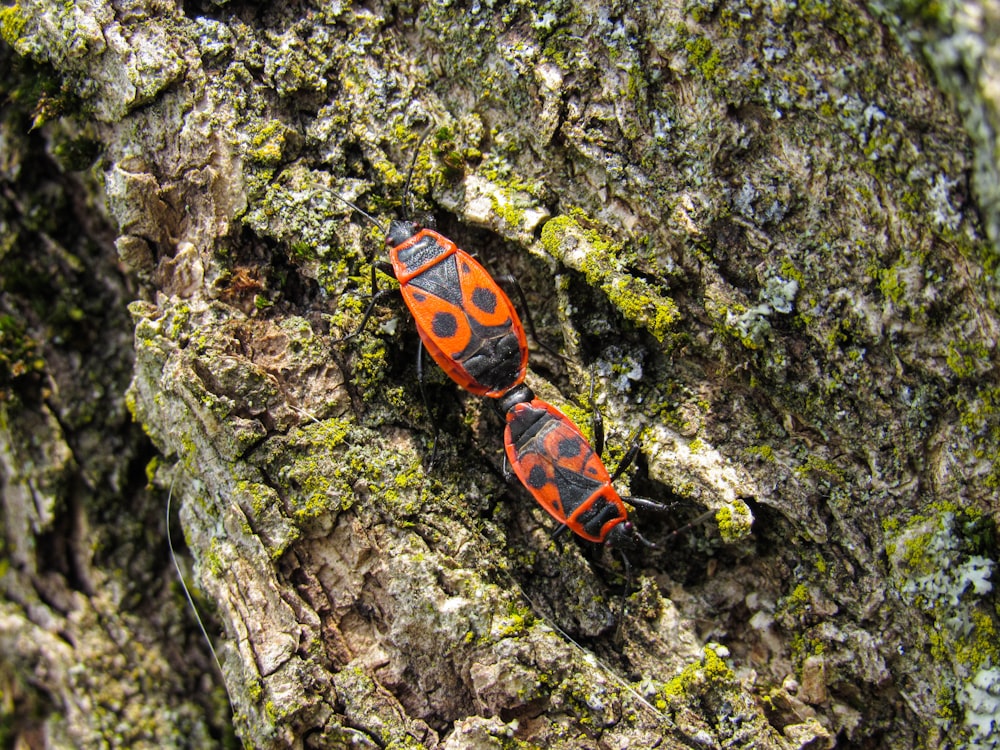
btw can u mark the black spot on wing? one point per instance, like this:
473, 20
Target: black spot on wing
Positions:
485, 299
570, 447
537, 478
444, 325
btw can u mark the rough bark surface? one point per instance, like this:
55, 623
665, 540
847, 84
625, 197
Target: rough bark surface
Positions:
761, 227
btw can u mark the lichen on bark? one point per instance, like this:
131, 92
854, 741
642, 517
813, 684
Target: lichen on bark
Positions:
749, 223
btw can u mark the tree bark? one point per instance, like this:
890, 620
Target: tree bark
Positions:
768, 233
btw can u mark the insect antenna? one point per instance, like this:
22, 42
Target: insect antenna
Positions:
590, 656
356, 207
623, 608
407, 205
190, 599
706, 516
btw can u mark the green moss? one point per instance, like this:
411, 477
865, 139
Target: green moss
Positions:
798, 600
734, 522
515, 624
311, 490
891, 285
763, 452
12, 24
78, 154
268, 143
255, 691
979, 415
815, 11
948, 711
507, 212
802, 646
941, 560
980, 646
152, 466
370, 368
965, 360
637, 301
601, 260
749, 326
697, 678
261, 496
20, 355
704, 58
302, 251
212, 559
815, 464
178, 322
448, 152
790, 271
821, 566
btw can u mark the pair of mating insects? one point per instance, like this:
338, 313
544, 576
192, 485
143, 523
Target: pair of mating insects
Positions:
472, 330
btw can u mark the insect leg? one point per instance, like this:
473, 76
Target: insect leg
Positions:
508, 473
707, 515
510, 280
623, 610
646, 504
627, 459
376, 298
643, 540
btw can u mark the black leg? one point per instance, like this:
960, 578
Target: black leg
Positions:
627, 459
508, 473
657, 507
646, 504
597, 427
707, 515
510, 280
560, 530
376, 298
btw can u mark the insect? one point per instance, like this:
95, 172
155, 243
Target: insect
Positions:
565, 474
465, 320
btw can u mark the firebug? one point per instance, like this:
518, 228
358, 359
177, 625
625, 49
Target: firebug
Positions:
464, 319
565, 474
